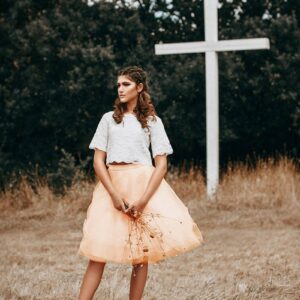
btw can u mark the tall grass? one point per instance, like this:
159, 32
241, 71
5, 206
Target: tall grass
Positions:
270, 184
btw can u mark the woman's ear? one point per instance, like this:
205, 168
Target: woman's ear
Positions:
140, 87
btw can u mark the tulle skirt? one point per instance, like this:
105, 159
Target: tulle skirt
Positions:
164, 229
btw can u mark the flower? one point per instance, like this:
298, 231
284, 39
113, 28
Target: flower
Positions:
146, 237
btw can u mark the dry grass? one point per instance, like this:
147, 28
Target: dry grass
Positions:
273, 184
251, 231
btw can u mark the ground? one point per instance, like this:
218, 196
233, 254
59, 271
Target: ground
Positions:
246, 254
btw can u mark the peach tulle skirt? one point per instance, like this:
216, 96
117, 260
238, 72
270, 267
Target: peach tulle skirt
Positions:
164, 229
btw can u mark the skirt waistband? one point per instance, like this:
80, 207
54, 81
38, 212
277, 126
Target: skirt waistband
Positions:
127, 166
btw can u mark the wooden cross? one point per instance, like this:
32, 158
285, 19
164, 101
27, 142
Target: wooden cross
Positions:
211, 47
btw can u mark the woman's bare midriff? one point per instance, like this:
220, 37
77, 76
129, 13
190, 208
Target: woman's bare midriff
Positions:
119, 163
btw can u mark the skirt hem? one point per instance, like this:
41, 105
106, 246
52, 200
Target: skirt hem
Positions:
168, 254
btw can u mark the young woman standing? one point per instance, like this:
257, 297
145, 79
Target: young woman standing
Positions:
134, 217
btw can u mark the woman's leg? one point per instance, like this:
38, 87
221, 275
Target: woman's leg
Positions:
91, 280
138, 281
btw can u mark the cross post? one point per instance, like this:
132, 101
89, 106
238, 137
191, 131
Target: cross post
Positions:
211, 47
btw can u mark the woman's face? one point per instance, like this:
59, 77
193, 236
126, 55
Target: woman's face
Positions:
128, 90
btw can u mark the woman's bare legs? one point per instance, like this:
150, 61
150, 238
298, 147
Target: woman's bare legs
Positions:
138, 281
91, 280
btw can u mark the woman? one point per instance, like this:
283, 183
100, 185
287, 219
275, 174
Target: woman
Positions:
135, 217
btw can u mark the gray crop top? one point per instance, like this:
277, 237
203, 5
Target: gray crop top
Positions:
128, 141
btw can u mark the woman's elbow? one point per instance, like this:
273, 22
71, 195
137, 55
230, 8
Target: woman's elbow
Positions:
97, 163
161, 163
99, 158
94, 165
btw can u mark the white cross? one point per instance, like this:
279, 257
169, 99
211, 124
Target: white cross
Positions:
211, 47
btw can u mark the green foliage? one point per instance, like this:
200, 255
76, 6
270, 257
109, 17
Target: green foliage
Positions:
58, 66
63, 177
66, 174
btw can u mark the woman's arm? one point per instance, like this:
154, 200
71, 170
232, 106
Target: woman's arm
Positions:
161, 148
156, 177
103, 176
101, 171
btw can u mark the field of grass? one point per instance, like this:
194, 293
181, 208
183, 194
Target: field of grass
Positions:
251, 248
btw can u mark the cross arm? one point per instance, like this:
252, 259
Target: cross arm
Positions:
199, 47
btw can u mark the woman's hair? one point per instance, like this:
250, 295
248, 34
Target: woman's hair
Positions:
144, 107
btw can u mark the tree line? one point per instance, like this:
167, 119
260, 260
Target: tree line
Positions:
59, 61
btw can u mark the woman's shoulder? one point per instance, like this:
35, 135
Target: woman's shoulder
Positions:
108, 114
153, 118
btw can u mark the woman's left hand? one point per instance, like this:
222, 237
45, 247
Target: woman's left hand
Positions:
136, 208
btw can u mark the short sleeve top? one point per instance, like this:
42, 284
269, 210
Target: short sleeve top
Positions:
128, 141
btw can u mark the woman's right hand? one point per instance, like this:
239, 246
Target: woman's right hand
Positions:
119, 202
